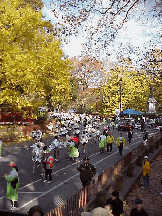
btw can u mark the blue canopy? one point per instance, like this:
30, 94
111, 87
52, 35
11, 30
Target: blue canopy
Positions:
131, 111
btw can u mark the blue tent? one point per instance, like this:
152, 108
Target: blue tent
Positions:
131, 112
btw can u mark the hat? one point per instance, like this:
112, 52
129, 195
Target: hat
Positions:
115, 193
96, 212
146, 157
12, 164
86, 158
138, 201
47, 151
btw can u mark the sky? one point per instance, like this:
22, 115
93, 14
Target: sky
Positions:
141, 32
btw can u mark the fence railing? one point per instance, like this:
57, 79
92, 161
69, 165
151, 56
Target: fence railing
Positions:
85, 199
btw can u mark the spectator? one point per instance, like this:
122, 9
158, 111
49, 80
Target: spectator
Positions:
120, 142
138, 210
87, 172
35, 211
97, 212
115, 203
146, 172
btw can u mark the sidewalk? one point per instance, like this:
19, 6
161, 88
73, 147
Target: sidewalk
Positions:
131, 187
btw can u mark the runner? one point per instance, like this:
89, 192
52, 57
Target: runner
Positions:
49, 165
84, 140
55, 145
102, 142
12, 185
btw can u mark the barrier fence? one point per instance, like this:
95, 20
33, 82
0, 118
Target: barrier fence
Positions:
85, 199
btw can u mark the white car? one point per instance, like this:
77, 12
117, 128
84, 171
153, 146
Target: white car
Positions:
158, 127
137, 126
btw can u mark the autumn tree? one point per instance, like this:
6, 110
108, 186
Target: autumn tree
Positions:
152, 66
34, 70
130, 84
88, 71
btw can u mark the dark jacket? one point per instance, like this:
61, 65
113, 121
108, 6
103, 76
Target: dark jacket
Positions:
116, 206
129, 134
140, 213
88, 173
145, 136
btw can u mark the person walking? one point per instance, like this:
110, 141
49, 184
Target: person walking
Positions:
110, 140
49, 165
121, 143
87, 172
145, 136
146, 172
130, 134
138, 210
12, 185
1, 144
116, 205
142, 124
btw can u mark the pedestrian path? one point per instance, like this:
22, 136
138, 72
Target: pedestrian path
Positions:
151, 197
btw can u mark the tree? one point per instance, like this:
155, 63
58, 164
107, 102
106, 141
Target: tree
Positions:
88, 71
131, 84
153, 68
35, 4
99, 21
34, 70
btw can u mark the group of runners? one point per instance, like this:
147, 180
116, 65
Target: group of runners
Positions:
70, 133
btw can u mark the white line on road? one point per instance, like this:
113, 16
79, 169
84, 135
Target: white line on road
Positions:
47, 192
29, 192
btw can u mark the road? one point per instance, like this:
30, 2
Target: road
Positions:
66, 181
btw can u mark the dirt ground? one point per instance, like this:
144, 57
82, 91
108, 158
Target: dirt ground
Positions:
152, 200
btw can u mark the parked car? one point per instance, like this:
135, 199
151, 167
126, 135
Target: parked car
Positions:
124, 125
159, 128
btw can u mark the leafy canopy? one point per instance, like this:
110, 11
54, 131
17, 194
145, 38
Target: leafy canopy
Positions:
33, 69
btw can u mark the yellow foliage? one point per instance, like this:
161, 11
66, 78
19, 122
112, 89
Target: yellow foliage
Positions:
134, 87
33, 69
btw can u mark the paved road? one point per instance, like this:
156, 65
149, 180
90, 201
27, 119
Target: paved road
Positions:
66, 179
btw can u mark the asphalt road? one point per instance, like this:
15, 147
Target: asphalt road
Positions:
66, 181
